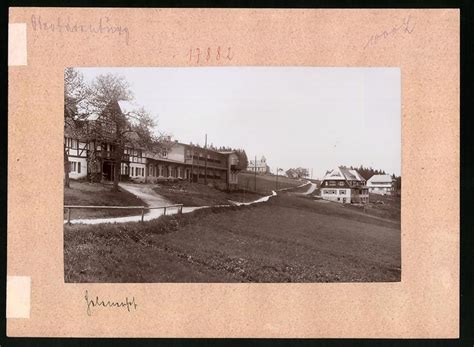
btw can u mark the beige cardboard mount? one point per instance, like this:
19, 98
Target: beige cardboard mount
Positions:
423, 43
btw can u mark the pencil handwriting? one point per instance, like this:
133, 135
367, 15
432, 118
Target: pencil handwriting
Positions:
91, 303
104, 26
406, 27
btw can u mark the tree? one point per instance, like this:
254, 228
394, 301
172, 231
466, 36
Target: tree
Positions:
297, 172
76, 94
119, 127
243, 159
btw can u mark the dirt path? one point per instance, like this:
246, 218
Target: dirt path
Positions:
151, 198
145, 193
311, 189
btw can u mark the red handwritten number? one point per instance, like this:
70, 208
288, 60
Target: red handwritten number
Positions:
210, 54
228, 54
198, 55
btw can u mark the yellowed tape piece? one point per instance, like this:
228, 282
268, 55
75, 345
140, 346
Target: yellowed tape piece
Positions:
17, 51
18, 296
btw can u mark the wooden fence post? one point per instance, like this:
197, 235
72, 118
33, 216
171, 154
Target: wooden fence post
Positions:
180, 210
164, 211
69, 216
143, 214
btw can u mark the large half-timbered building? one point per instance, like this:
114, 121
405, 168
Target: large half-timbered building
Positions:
92, 157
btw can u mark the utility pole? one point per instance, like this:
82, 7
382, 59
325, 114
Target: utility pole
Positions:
276, 188
192, 164
255, 185
205, 162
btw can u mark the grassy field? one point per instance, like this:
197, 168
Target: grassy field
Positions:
388, 207
193, 194
97, 194
288, 239
265, 183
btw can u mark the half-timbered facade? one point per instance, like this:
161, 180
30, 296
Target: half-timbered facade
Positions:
90, 157
77, 155
344, 186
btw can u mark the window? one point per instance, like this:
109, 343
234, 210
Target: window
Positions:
73, 166
332, 184
341, 184
326, 183
330, 191
79, 167
133, 171
70, 143
342, 192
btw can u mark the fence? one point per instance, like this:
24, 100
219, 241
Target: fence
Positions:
142, 208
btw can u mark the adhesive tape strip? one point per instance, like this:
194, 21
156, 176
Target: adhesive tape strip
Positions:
17, 52
18, 296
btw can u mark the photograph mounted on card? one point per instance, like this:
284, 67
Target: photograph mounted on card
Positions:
235, 172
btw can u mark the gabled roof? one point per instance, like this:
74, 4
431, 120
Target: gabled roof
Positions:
357, 174
335, 174
381, 178
342, 173
127, 106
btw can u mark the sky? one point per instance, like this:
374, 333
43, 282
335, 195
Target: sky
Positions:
317, 118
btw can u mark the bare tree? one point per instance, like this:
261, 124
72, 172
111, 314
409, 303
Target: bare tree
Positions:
76, 95
107, 88
120, 127
93, 113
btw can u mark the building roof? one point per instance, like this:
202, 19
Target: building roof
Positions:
342, 173
357, 174
381, 179
127, 106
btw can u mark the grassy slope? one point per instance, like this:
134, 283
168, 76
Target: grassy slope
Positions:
265, 183
288, 239
82, 193
390, 208
193, 194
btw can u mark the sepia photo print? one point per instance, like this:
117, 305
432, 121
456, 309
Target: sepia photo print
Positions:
232, 174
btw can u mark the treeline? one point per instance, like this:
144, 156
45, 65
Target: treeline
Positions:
368, 172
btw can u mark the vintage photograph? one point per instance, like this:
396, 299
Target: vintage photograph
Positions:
232, 174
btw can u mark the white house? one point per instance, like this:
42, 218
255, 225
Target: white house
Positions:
381, 184
345, 186
260, 166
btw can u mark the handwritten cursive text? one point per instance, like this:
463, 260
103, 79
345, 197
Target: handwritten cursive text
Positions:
406, 27
103, 26
91, 303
